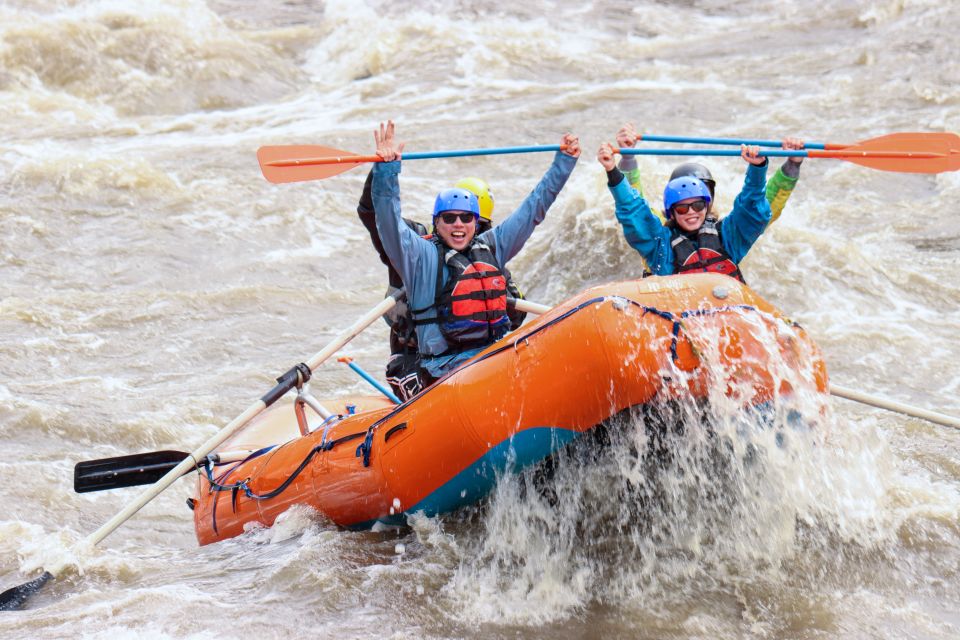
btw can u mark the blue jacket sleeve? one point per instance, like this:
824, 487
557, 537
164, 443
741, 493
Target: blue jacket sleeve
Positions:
750, 215
413, 257
508, 237
643, 229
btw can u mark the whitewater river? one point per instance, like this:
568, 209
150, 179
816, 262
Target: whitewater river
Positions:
152, 285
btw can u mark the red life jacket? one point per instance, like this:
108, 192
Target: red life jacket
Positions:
707, 254
471, 308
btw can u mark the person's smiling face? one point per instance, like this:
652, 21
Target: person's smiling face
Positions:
690, 213
456, 228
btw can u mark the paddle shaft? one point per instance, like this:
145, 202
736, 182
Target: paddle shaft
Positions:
370, 379
835, 390
783, 153
423, 155
530, 307
898, 407
647, 137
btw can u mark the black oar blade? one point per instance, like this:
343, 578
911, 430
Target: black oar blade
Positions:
13, 599
124, 471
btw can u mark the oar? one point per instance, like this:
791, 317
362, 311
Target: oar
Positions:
898, 407
884, 160
904, 153
137, 469
296, 163
919, 141
15, 597
836, 390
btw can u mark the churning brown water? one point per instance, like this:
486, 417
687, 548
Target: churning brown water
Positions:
152, 284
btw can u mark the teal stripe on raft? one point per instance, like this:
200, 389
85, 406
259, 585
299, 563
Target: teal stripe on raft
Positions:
522, 450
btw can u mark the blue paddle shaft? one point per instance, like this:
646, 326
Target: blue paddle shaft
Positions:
478, 152
758, 143
376, 385
782, 153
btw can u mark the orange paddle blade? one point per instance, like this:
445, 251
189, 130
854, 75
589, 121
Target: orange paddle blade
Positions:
901, 152
297, 163
914, 141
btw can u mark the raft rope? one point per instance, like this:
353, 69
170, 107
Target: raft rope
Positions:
215, 484
366, 447
217, 487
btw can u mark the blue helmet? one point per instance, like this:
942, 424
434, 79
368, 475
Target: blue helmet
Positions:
682, 188
456, 200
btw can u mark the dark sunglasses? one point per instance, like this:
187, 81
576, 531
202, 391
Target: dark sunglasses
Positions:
465, 217
696, 205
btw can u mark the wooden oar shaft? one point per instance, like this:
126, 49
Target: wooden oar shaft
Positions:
898, 407
530, 307
173, 475
836, 390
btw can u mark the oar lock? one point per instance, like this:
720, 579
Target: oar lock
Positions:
296, 377
303, 374
305, 399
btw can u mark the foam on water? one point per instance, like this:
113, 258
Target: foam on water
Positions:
136, 60
152, 285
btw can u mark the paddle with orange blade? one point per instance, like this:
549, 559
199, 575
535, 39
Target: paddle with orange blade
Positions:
296, 163
900, 152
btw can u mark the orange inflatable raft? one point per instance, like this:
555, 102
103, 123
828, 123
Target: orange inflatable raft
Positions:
610, 348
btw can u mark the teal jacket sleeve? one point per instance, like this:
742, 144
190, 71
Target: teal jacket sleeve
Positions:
508, 237
750, 215
643, 229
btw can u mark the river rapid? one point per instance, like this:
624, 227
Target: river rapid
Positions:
152, 284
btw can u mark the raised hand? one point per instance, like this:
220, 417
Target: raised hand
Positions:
751, 154
627, 136
793, 144
387, 147
572, 143
606, 156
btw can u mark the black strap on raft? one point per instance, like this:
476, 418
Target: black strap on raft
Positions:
244, 485
208, 464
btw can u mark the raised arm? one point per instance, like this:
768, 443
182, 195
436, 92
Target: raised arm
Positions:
751, 211
510, 235
403, 246
781, 185
641, 227
627, 137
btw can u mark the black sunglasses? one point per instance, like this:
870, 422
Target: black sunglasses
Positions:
450, 217
696, 205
